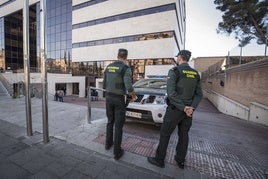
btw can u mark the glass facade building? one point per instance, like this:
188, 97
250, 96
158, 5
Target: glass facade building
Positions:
2, 44
59, 34
58, 37
82, 37
11, 37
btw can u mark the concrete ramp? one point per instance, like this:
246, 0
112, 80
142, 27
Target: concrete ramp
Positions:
3, 90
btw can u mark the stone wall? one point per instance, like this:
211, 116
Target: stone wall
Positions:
237, 90
202, 63
244, 84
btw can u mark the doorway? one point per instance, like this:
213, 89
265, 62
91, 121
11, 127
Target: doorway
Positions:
61, 86
76, 88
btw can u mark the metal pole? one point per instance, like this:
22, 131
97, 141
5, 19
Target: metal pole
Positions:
266, 41
240, 59
26, 67
228, 60
43, 70
227, 64
265, 50
89, 104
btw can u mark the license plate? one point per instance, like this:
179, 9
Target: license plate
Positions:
133, 114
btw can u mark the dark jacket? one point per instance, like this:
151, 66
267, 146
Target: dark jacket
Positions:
118, 78
184, 87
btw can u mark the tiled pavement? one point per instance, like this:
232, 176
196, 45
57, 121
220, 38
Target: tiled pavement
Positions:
220, 146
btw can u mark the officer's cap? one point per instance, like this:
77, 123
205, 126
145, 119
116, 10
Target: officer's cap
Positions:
122, 53
186, 53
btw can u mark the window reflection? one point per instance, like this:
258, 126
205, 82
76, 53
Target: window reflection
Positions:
59, 36
89, 3
97, 68
151, 36
11, 40
59, 44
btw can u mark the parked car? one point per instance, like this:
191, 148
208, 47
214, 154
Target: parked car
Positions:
150, 105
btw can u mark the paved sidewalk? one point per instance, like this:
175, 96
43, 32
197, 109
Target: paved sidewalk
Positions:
220, 146
58, 159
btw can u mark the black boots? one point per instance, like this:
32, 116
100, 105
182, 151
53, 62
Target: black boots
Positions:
118, 156
156, 162
180, 164
108, 146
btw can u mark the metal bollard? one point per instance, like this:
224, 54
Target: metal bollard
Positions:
89, 104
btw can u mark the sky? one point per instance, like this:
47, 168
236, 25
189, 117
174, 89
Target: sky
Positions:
202, 40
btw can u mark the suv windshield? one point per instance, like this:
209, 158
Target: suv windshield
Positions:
151, 83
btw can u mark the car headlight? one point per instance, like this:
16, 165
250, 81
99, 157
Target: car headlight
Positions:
159, 100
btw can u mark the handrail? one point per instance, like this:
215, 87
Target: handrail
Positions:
7, 85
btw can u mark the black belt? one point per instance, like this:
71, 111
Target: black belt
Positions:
114, 94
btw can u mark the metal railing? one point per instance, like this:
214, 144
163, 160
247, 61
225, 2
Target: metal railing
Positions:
6, 84
232, 64
89, 97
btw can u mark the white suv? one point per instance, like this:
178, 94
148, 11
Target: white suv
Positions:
150, 105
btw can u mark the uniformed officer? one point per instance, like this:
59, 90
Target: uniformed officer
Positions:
118, 82
184, 94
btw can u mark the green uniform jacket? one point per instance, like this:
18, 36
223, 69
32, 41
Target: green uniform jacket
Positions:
118, 78
184, 87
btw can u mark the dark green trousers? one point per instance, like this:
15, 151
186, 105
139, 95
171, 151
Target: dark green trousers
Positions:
173, 118
116, 114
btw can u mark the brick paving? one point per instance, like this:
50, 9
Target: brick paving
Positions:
216, 146
211, 150
213, 159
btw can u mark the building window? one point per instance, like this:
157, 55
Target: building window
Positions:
96, 68
86, 4
12, 40
151, 36
126, 15
59, 35
2, 44
6, 3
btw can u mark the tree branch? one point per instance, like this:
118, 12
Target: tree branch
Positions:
259, 34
